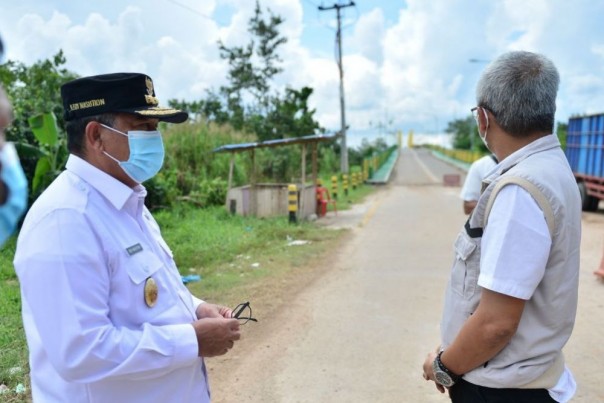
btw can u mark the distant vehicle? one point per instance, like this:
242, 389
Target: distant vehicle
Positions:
585, 154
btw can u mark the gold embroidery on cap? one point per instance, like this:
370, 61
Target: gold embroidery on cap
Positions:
149, 98
149, 84
158, 111
151, 292
87, 104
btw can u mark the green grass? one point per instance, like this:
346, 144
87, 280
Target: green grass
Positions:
228, 250
14, 369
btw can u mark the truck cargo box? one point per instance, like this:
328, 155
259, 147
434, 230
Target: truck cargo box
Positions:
585, 154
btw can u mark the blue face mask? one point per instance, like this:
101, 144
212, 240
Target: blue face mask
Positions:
146, 154
14, 179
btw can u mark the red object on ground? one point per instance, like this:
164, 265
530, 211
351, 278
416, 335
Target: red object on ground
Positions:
323, 199
451, 180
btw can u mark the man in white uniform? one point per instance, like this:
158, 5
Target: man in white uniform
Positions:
105, 312
511, 301
470, 192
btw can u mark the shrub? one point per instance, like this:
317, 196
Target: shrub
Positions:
192, 172
213, 192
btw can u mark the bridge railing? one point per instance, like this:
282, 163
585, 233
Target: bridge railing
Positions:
467, 156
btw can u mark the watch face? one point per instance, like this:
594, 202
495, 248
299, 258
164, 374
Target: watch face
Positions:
443, 379
441, 376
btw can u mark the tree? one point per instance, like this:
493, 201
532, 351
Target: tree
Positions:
561, 132
210, 109
248, 99
366, 150
250, 77
465, 134
33, 90
289, 116
249, 102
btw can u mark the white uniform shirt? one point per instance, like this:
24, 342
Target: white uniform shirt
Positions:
515, 250
477, 172
84, 253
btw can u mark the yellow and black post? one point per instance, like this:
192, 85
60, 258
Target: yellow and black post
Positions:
334, 187
292, 203
354, 181
345, 184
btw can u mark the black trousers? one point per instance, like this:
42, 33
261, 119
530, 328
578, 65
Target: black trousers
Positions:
466, 392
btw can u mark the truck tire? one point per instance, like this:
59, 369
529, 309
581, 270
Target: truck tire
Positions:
593, 203
588, 203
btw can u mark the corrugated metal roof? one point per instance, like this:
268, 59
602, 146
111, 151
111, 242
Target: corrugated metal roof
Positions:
315, 138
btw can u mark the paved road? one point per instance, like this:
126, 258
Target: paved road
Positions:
361, 331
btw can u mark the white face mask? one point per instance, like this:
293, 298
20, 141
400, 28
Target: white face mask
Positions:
146, 154
486, 116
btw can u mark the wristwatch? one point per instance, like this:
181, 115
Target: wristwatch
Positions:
443, 375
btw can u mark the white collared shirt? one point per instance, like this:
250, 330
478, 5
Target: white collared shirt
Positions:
84, 254
479, 170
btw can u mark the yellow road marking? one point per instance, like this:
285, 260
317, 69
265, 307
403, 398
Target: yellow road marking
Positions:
371, 211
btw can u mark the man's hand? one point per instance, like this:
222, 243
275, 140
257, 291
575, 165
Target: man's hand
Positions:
429, 372
469, 205
206, 310
216, 335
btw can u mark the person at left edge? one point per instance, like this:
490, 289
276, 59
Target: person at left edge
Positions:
13, 184
106, 316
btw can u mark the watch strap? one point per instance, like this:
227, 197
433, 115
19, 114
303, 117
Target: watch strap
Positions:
454, 376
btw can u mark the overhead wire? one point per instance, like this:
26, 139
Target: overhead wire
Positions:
190, 9
344, 26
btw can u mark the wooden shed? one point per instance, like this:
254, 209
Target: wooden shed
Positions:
271, 199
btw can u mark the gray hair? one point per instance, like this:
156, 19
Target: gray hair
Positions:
519, 88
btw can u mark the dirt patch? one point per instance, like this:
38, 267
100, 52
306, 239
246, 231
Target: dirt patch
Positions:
270, 299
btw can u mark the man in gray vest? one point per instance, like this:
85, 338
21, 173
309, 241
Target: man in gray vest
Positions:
511, 301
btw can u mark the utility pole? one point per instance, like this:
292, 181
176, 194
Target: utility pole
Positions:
344, 148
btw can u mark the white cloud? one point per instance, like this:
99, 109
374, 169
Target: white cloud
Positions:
369, 34
37, 36
409, 66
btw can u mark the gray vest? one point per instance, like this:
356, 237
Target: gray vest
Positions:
534, 352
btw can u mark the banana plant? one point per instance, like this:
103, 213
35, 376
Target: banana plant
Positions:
51, 153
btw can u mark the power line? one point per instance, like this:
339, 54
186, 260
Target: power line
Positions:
190, 9
312, 3
356, 8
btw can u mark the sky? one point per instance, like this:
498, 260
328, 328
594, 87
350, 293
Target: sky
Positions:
408, 65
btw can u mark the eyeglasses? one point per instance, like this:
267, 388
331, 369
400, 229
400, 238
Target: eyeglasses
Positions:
474, 111
243, 313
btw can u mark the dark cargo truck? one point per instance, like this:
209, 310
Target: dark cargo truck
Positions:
585, 153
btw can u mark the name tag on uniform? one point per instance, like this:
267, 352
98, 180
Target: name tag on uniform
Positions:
134, 249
